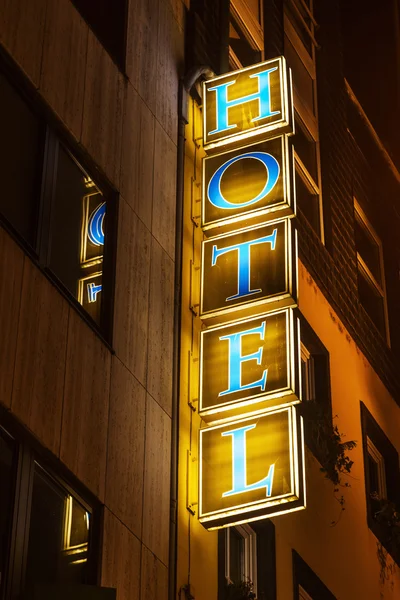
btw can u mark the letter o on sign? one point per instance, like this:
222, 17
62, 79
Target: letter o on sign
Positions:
214, 187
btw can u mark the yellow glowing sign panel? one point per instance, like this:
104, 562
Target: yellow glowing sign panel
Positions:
250, 365
251, 468
248, 102
250, 267
246, 184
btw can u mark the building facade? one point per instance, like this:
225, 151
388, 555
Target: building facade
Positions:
100, 302
89, 120
346, 176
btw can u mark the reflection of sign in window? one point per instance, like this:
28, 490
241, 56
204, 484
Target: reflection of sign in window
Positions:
89, 293
91, 255
94, 210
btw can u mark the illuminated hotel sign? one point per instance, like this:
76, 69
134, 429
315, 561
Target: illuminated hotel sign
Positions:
252, 101
246, 184
251, 468
249, 267
249, 365
251, 459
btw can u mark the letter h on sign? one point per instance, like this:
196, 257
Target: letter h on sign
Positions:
247, 102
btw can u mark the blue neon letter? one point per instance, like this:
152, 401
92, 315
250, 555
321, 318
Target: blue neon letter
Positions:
243, 250
93, 290
263, 96
236, 359
96, 225
214, 187
239, 475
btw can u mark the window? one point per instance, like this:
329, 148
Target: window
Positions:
51, 524
299, 48
307, 374
382, 478
22, 143
54, 207
7, 480
108, 19
307, 585
247, 554
241, 552
371, 275
246, 37
315, 387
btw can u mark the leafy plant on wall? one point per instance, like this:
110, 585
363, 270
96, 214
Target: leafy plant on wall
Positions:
327, 444
388, 550
242, 590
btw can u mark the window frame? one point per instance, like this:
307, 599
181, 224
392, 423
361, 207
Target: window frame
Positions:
29, 452
54, 134
249, 559
309, 367
371, 429
252, 30
306, 581
365, 272
308, 121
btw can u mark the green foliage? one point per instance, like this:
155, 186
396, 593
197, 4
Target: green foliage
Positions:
387, 515
242, 590
327, 439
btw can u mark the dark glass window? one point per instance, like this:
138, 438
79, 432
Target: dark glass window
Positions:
77, 234
50, 202
21, 139
241, 45
7, 476
382, 481
305, 580
236, 555
107, 18
308, 201
58, 534
368, 249
302, 79
306, 148
372, 300
371, 287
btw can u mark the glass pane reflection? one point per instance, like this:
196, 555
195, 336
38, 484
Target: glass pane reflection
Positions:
58, 534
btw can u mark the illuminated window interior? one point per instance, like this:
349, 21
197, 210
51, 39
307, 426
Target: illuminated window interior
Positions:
371, 277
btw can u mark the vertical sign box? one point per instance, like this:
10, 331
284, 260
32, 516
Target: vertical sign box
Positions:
249, 270
246, 185
251, 468
251, 451
249, 365
250, 102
